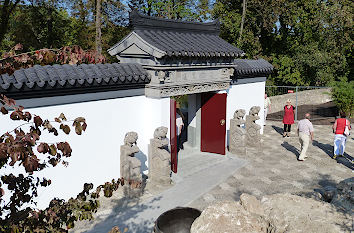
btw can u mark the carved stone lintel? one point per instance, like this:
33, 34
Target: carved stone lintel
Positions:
159, 158
187, 81
173, 90
252, 128
237, 142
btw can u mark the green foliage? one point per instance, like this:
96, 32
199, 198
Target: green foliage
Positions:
60, 23
288, 72
174, 9
182, 101
308, 41
343, 95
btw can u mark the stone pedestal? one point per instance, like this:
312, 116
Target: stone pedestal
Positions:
130, 167
252, 128
159, 158
237, 141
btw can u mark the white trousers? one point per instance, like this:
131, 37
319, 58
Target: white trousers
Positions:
304, 142
339, 144
265, 115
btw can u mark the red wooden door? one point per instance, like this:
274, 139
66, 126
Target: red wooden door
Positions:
173, 135
213, 123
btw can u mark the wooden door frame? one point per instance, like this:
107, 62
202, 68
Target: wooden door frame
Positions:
173, 136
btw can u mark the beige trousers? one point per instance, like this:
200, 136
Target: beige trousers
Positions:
304, 142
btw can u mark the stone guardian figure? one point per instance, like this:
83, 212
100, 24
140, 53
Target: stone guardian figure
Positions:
159, 158
237, 141
130, 166
252, 128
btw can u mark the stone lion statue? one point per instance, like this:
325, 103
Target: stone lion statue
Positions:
160, 133
160, 158
161, 140
130, 139
129, 165
237, 142
254, 111
239, 114
252, 128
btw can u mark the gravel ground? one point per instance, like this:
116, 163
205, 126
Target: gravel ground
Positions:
275, 169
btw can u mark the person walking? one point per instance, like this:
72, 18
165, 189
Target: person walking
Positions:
305, 133
340, 136
266, 107
288, 118
179, 127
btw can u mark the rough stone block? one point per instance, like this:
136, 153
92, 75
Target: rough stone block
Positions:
252, 128
237, 142
159, 158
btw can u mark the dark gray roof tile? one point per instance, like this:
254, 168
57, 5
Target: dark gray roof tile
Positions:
58, 77
249, 67
181, 38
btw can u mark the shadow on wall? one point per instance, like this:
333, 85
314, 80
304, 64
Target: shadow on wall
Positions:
227, 139
143, 159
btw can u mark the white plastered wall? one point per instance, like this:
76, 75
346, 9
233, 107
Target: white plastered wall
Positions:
95, 156
245, 94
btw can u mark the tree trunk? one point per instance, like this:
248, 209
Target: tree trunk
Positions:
50, 27
244, 6
173, 10
98, 30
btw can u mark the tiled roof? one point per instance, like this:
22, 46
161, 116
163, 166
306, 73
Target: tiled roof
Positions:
73, 76
252, 67
179, 38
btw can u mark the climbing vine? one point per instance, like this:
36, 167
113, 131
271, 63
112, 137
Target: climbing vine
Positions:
24, 148
14, 59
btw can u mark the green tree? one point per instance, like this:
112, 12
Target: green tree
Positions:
7, 7
174, 9
29, 26
308, 41
343, 95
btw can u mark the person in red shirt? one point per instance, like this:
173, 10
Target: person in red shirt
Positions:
340, 138
288, 118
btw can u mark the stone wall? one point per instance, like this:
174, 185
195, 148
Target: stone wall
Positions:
317, 96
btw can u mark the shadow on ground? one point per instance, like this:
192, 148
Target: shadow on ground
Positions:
346, 160
125, 209
291, 148
278, 129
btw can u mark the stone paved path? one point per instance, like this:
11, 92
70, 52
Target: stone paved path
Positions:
275, 168
199, 173
208, 178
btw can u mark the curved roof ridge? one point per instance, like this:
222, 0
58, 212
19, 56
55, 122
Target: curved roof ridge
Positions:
138, 20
